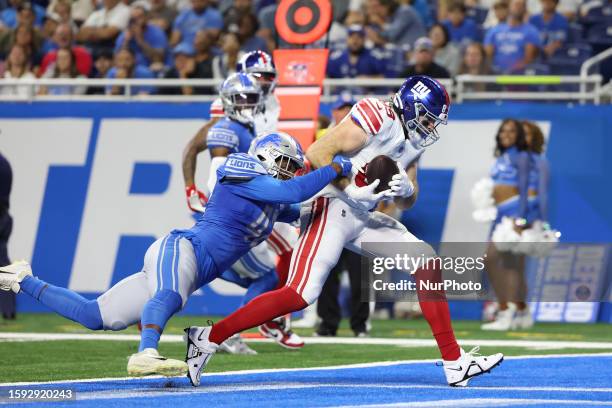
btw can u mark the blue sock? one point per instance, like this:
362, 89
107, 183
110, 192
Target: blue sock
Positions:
260, 285
64, 302
158, 310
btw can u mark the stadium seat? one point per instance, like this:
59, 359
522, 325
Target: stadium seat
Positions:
575, 33
599, 15
567, 60
600, 37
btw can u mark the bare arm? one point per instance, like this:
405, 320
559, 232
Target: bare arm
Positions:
405, 203
175, 37
195, 146
531, 52
344, 138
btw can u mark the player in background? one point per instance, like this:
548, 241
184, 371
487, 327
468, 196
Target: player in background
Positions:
261, 260
254, 191
341, 216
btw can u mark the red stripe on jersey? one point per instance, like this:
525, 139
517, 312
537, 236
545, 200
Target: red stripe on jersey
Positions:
371, 115
360, 178
376, 110
364, 119
315, 249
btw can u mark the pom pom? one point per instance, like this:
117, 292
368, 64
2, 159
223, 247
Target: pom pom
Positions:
504, 237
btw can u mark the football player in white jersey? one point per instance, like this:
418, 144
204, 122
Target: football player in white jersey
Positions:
341, 217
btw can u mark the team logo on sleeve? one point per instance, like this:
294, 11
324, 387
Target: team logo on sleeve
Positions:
420, 91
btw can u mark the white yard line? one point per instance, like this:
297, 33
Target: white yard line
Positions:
176, 338
340, 367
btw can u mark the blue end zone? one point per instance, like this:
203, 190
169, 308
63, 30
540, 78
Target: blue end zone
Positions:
541, 382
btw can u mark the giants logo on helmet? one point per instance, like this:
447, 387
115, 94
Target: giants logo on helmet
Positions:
420, 90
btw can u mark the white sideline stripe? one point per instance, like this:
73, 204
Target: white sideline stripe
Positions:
481, 402
177, 338
336, 367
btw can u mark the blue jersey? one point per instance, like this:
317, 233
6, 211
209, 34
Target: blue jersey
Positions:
243, 207
465, 33
512, 168
550, 31
367, 63
230, 134
509, 43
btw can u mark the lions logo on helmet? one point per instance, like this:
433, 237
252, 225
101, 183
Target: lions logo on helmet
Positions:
241, 97
422, 104
260, 65
280, 154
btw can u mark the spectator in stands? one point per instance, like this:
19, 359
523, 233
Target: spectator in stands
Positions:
356, 61
462, 30
125, 67
247, 30
424, 61
28, 38
446, 53
63, 67
475, 63
513, 45
233, 15
204, 40
62, 11
79, 10
552, 25
103, 26
184, 68
12, 16
147, 42
103, 62
162, 15
224, 65
17, 67
498, 15
63, 39
390, 22
201, 16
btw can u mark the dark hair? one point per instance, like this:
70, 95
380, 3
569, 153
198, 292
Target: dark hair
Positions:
457, 6
73, 69
392, 5
444, 30
521, 143
484, 68
537, 137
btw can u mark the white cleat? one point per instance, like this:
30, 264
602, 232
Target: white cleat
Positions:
199, 352
12, 275
149, 362
522, 320
469, 365
503, 321
235, 345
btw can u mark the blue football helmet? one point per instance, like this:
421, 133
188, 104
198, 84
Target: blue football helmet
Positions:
422, 104
260, 65
280, 154
241, 97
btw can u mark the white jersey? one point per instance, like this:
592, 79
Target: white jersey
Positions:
385, 135
265, 121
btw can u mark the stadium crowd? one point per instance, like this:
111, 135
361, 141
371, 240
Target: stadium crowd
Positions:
367, 39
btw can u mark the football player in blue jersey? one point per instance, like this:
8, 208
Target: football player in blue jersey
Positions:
254, 191
242, 99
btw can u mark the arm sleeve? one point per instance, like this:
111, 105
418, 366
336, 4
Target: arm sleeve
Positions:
289, 214
296, 190
522, 164
215, 163
543, 187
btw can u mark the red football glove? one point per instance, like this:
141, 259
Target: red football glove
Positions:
196, 200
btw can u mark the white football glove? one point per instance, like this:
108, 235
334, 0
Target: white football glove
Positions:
400, 184
365, 196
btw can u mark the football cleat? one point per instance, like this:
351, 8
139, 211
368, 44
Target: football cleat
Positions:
12, 275
522, 320
149, 362
235, 345
503, 320
278, 330
199, 352
469, 365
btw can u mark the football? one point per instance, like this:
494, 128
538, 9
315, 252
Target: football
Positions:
381, 167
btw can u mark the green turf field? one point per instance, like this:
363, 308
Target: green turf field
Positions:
73, 359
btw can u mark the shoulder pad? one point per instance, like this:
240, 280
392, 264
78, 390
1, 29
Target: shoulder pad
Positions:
240, 166
372, 115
